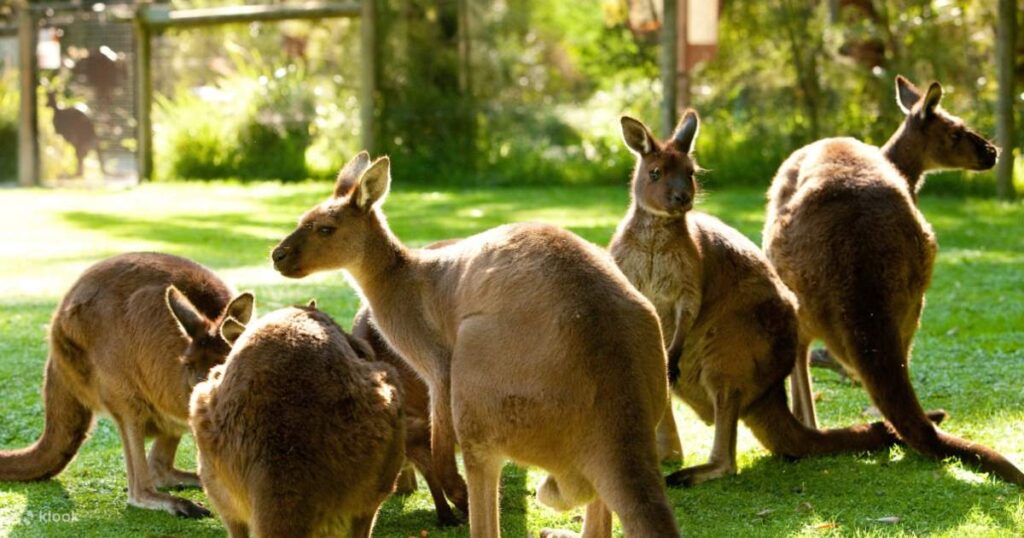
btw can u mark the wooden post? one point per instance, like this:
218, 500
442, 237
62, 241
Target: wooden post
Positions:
143, 97
833, 11
368, 90
28, 113
669, 67
682, 61
1006, 36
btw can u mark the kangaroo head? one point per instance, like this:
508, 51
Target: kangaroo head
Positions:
942, 139
663, 181
334, 234
209, 340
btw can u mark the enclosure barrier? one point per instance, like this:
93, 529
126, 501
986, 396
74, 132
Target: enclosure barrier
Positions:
151, 19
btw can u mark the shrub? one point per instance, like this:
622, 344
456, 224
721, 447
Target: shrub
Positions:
8, 126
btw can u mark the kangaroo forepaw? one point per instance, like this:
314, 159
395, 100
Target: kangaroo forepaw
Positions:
680, 479
937, 416
188, 509
458, 496
155, 500
447, 518
691, 476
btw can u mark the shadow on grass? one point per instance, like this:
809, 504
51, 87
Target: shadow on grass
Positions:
399, 515
858, 495
48, 505
213, 239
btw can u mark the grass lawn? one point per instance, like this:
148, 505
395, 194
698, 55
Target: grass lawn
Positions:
968, 359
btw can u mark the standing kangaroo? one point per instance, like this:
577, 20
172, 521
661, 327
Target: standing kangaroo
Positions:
845, 235
534, 345
729, 322
77, 128
416, 407
297, 434
131, 338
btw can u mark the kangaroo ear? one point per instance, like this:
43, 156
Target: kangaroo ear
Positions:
311, 304
241, 307
686, 132
907, 95
637, 136
373, 185
231, 329
190, 321
931, 99
348, 177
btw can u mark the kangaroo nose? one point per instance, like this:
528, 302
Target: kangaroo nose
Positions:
681, 198
279, 254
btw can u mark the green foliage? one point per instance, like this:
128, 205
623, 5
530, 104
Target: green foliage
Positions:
8, 125
519, 108
265, 115
532, 92
784, 76
968, 359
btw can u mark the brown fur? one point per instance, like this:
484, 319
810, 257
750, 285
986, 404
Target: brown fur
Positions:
534, 346
846, 236
116, 348
729, 322
416, 407
300, 432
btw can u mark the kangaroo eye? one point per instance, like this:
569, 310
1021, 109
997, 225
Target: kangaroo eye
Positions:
957, 135
655, 174
325, 231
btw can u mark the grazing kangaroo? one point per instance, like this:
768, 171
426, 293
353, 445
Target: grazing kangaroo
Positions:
534, 345
131, 338
730, 323
300, 432
77, 128
844, 232
416, 407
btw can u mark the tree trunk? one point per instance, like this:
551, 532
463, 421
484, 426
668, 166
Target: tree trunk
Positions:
669, 67
1006, 36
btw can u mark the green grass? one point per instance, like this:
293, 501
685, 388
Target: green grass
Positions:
969, 359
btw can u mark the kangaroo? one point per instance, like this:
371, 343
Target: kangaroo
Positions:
300, 432
130, 339
534, 346
77, 128
844, 232
729, 322
416, 406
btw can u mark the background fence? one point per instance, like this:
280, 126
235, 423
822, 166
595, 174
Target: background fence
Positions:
529, 91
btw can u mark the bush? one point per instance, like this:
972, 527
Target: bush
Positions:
8, 126
250, 125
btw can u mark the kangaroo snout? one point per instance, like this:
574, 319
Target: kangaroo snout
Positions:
286, 261
682, 200
279, 254
988, 157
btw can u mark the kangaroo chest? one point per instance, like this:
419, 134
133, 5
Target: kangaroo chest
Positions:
668, 275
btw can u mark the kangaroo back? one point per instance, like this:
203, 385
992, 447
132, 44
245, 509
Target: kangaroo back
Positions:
845, 235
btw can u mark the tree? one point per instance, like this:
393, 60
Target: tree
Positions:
1006, 36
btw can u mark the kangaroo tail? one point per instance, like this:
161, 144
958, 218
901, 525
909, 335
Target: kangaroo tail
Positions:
885, 375
67, 425
779, 431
